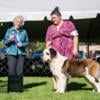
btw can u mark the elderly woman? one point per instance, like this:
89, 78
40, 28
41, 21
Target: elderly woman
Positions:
62, 35
16, 40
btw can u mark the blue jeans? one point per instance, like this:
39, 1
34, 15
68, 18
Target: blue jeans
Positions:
15, 65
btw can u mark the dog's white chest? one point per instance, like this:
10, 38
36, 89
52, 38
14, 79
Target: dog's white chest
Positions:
56, 70
56, 66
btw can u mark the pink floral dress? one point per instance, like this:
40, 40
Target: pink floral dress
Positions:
62, 40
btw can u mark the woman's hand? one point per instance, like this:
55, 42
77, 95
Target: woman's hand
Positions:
19, 44
48, 44
75, 52
11, 37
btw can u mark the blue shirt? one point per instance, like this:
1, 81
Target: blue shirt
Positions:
12, 48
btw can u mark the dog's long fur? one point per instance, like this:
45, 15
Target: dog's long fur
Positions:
63, 68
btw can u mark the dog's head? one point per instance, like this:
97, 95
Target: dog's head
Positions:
49, 54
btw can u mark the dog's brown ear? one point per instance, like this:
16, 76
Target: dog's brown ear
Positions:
53, 52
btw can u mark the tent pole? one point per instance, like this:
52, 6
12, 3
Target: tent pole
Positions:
89, 35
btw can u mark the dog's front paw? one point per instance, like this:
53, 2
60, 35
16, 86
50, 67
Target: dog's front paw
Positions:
94, 90
60, 91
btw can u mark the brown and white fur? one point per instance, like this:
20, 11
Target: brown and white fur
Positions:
63, 68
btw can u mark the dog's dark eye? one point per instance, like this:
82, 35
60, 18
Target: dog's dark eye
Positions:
47, 53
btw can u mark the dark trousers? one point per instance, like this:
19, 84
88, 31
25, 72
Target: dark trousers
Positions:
15, 73
15, 65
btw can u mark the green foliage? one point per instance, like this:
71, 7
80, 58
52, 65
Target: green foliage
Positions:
40, 45
1, 44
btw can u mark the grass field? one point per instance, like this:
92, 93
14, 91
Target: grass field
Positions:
40, 88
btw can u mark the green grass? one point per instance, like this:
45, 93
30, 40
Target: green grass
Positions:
40, 88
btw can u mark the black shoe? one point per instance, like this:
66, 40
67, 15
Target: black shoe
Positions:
15, 83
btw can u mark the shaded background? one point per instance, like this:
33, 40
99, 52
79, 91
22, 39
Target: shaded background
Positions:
89, 29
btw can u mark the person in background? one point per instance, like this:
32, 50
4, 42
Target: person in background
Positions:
16, 40
62, 35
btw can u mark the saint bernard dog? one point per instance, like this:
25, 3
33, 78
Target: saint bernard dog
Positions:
63, 68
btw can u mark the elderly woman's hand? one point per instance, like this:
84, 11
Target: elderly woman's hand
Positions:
11, 37
19, 44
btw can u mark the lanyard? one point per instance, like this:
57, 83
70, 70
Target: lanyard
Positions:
17, 36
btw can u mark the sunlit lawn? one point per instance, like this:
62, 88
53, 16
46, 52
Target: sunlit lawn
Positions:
40, 88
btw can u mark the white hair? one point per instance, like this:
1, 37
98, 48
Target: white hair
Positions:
21, 18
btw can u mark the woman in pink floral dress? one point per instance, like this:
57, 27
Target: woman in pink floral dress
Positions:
62, 35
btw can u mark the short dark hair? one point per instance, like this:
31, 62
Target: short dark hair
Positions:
56, 12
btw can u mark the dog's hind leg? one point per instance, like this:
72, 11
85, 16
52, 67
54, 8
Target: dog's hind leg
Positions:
97, 79
91, 79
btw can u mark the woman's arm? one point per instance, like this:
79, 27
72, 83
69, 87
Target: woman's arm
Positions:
48, 44
26, 42
48, 37
6, 40
75, 45
74, 33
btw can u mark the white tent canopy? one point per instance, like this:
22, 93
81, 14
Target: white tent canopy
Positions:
38, 9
